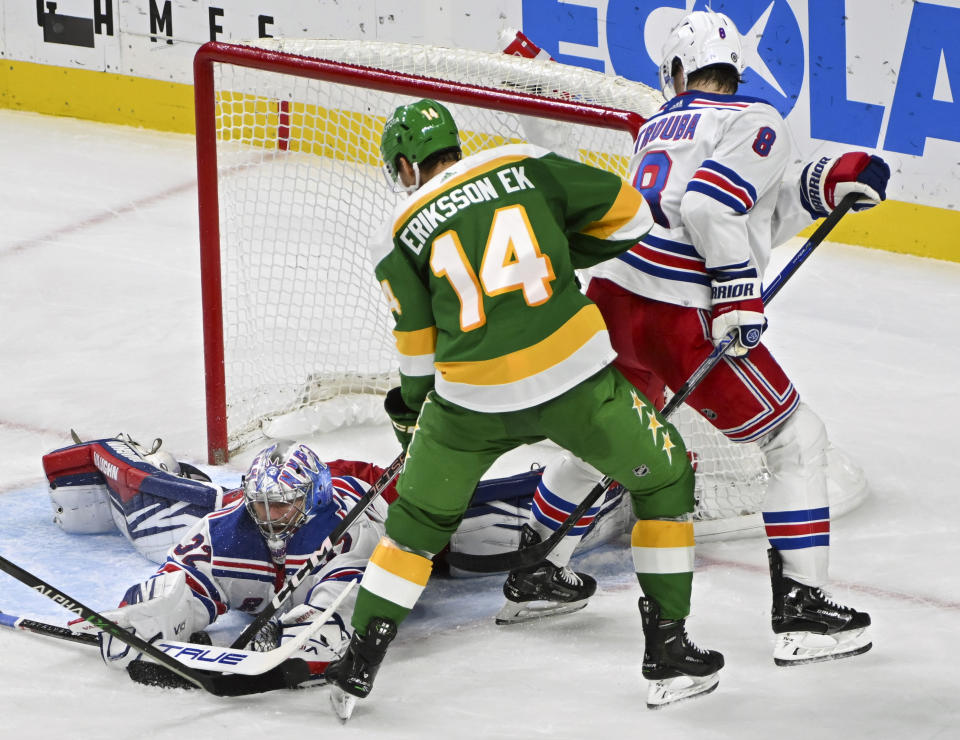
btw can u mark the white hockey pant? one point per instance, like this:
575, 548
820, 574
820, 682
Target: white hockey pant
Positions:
796, 457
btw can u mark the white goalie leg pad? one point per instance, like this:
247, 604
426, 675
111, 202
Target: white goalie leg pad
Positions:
673, 690
796, 457
496, 530
82, 509
800, 648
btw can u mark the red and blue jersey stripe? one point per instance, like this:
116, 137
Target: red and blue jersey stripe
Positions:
665, 258
724, 185
343, 574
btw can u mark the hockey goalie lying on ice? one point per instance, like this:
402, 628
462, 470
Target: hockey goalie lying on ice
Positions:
223, 550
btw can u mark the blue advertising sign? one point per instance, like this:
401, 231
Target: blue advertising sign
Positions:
781, 56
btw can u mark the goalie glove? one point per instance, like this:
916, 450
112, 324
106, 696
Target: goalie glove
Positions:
402, 417
324, 646
737, 304
824, 183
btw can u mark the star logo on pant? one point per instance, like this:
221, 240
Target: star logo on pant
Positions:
668, 445
653, 424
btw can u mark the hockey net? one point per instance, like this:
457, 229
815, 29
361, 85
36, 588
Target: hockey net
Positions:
297, 337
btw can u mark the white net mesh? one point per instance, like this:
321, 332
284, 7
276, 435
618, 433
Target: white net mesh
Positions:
307, 340
301, 195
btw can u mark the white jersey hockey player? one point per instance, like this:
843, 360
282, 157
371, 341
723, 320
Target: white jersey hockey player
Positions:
713, 165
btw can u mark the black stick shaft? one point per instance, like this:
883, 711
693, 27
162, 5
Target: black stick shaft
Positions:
48, 630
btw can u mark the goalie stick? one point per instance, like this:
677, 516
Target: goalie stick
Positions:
314, 561
288, 675
251, 672
207, 682
529, 556
202, 657
279, 670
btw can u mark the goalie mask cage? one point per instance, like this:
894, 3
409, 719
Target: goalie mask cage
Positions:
297, 336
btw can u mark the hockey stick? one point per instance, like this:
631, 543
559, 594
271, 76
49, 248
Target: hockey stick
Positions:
528, 556
197, 679
201, 657
249, 662
314, 561
287, 675
49, 630
278, 671
771, 290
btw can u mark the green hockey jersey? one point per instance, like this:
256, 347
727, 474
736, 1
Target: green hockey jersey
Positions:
478, 271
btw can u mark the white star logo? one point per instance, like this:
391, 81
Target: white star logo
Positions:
661, 20
751, 54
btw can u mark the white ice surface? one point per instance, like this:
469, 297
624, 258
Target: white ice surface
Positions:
100, 331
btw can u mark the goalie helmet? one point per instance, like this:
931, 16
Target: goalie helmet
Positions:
416, 131
703, 38
285, 484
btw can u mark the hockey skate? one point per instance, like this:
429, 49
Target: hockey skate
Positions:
809, 625
543, 590
351, 676
676, 668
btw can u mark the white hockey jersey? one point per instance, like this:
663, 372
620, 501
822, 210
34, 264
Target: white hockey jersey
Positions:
713, 169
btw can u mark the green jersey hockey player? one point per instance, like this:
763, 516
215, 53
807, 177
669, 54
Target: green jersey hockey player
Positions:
499, 347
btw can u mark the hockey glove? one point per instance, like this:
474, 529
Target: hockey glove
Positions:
268, 638
824, 183
403, 418
737, 304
